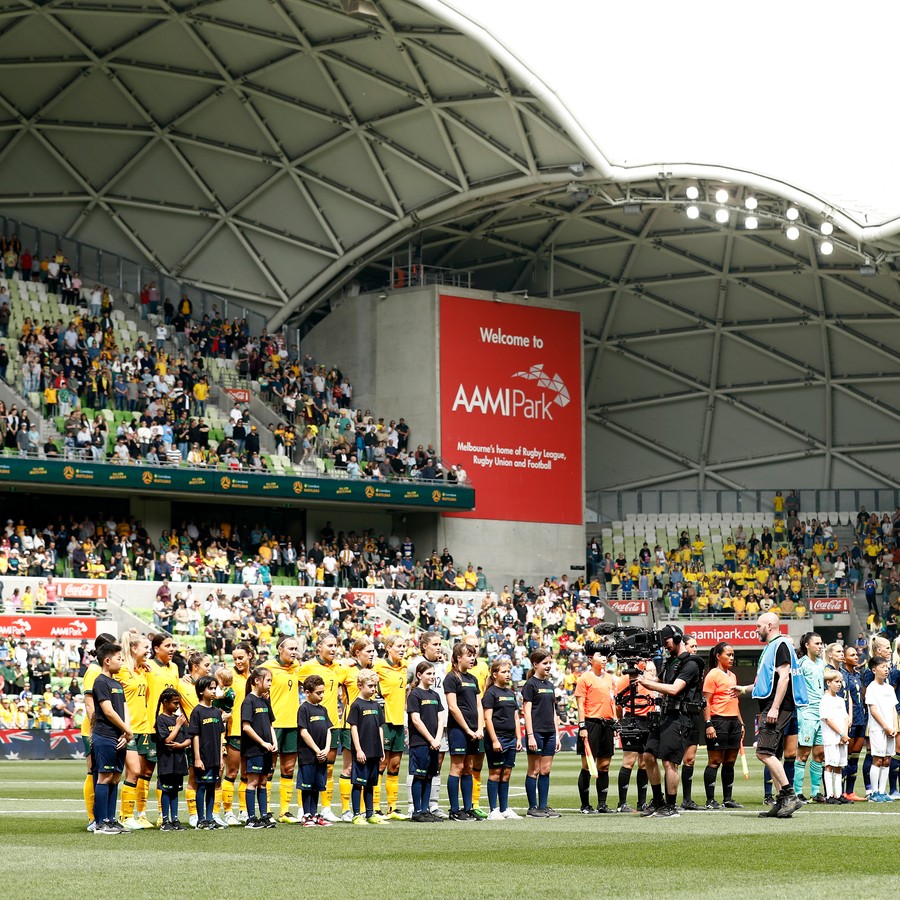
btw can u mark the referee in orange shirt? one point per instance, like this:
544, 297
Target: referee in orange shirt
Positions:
595, 695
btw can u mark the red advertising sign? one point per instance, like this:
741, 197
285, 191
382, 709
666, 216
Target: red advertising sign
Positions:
511, 408
239, 395
80, 590
829, 605
628, 607
36, 628
738, 634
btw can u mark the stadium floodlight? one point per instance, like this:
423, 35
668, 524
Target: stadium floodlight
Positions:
632, 209
867, 270
580, 196
721, 195
360, 8
792, 232
577, 169
751, 223
751, 202
693, 211
692, 192
826, 248
826, 228
722, 216
792, 213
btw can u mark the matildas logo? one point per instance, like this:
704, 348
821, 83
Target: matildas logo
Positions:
68, 473
436, 496
147, 478
298, 487
370, 492
225, 482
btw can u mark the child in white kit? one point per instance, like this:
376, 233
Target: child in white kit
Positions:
835, 725
881, 700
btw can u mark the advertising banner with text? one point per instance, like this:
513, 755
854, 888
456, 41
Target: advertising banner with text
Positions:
35, 628
511, 408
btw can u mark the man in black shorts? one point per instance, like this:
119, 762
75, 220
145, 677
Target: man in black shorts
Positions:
681, 686
780, 689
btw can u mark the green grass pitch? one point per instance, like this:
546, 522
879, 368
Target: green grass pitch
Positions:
48, 854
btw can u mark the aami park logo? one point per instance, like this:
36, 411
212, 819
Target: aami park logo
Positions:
515, 402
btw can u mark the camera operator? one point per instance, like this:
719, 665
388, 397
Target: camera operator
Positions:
595, 696
680, 685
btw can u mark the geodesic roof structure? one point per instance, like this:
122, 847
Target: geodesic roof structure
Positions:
274, 150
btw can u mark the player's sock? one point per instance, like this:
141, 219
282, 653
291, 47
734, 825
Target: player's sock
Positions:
453, 792
286, 791
242, 796
874, 778
642, 781
376, 792
249, 802
624, 781
767, 782
476, 787
709, 782
493, 793
789, 765
602, 788
867, 772
530, 790
727, 781
191, 795
129, 795
815, 778
345, 788
262, 800
435, 800
503, 795
142, 789
227, 795
173, 804
392, 789
217, 798
850, 771
584, 787
799, 776
369, 800
166, 806
101, 802
210, 799
883, 783
657, 794
89, 794
465, 786
426, 795
200, 801
687, 782
113, 796
329, 786
418, 789
543, 786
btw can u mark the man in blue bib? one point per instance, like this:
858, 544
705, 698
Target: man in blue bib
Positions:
780, 689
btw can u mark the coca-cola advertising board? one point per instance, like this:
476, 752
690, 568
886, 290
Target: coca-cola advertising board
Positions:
738, 634
822, 605
628, 607
42, 628
80, 590
511, 408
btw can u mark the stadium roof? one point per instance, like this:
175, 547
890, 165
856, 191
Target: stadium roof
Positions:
275, 150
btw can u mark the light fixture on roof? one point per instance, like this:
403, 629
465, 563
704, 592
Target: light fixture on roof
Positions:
792, 232
692, 192
580, 196
868, 269
693, 211
360, 8
792, 213
751, 223
722, 216
577, 169
632, 209
751, 203
721, 195
826, 228
826, 248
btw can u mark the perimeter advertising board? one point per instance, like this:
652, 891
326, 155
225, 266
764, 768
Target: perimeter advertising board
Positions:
511, 408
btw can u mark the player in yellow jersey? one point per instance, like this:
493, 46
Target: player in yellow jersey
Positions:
284, 698
243, 657
480, 670
392, 687
161, 673
133, 678
87, 684
336, 678
198, 665
362, 656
